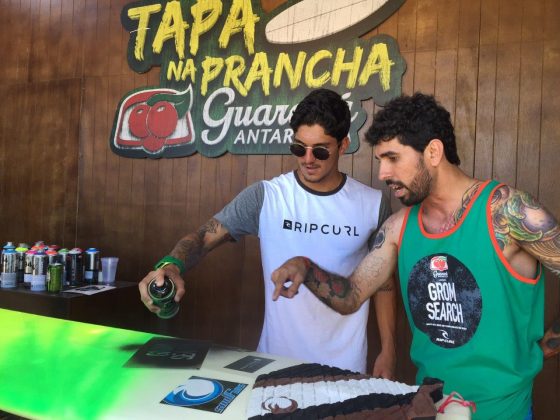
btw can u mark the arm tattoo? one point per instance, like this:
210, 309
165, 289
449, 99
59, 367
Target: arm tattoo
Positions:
191, 249
540, 232
379, 238
333, 290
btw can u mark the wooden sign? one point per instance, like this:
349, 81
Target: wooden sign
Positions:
232, 73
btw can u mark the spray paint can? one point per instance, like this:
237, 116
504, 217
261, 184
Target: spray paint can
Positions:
39, 275
162, 296
20, 263
9, 245
53, 256
92, 263
9, 268
63, 253
28, 270
54, 277
74, 267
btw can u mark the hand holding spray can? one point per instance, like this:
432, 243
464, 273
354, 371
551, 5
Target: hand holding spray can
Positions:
163, 297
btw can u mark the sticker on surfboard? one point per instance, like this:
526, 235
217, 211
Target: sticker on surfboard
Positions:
309, 20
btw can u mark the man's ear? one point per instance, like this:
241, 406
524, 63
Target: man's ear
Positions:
434, 152
344, 144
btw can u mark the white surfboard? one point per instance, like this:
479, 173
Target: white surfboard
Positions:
309, 20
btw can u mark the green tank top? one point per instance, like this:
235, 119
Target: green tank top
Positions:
475, 321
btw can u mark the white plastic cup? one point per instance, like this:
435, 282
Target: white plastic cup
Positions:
109, 269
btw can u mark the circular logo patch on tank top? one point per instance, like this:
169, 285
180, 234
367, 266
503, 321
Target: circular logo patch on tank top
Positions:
445, 301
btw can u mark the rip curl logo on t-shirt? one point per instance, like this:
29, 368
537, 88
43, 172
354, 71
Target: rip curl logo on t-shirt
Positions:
445, 300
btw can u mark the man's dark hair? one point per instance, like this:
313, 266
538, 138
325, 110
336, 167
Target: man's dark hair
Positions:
325, 108
415, 121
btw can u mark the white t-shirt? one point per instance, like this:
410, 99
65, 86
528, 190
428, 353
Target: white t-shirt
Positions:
333, 230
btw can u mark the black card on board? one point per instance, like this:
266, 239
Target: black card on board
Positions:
160, 352
249, 363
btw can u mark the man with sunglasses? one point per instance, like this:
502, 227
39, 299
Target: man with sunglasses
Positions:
315, 210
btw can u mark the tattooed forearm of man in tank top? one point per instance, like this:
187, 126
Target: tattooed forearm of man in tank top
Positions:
345, 295
521, 223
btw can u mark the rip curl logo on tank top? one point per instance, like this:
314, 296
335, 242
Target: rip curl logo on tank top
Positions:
445, 301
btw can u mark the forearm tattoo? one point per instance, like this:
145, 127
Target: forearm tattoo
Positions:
333, 290
191, 249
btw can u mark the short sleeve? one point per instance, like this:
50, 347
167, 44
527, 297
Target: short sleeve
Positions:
241, 216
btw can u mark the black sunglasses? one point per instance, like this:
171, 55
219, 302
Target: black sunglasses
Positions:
320, 152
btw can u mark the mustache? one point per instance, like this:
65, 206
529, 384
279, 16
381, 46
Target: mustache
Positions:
390, 182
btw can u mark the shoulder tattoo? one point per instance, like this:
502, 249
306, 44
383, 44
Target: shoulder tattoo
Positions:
517, 216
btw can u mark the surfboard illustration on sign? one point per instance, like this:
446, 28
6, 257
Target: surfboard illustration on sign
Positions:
310, 20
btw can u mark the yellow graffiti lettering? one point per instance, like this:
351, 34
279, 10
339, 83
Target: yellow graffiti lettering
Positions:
236, 72
312, 81
189, 70
284, 64
378, 62
235, 67
142, 15
168, 30
351, 67
240, 18
174, 70
211, 66
182, 70
205, 14
259, 71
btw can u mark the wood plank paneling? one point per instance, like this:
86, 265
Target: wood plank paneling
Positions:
465, 107
469, 23
37, 188
406, 28
506, 113
530, 100
486, 98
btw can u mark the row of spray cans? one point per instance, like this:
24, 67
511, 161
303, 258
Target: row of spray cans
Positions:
48, 268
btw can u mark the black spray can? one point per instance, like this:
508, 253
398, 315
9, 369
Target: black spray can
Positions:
20, 263
74, 267
92, 263
63, 253
162, 296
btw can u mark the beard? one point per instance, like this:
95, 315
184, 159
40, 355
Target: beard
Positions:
419, 188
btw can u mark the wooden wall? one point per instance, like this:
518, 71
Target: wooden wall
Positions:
495, 64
